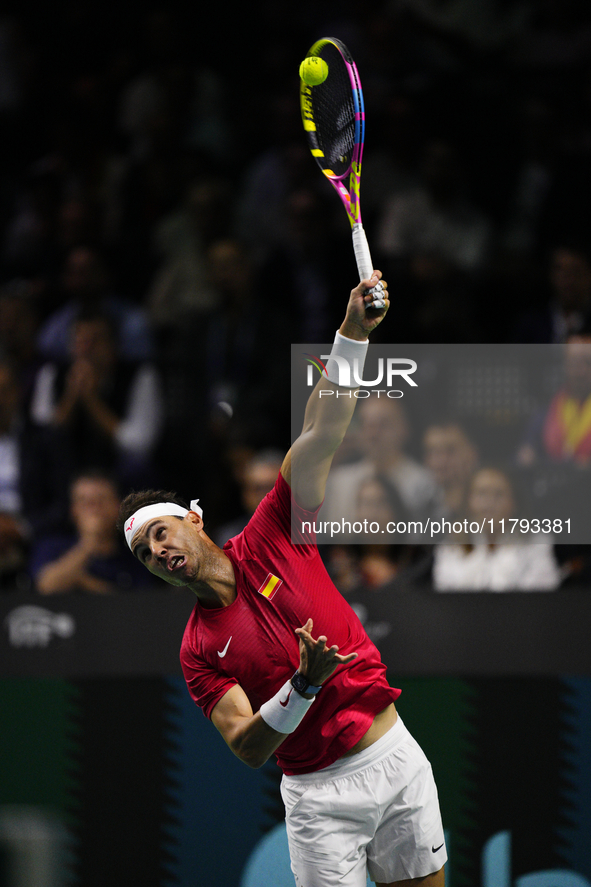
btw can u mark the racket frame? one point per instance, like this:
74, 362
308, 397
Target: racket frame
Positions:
350, 197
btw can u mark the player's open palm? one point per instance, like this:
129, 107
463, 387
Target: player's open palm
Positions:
317, 659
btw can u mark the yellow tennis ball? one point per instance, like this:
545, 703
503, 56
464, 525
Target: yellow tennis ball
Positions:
313, 70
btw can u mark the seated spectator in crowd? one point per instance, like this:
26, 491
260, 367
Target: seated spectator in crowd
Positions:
451, 458
33, 478
109, 409
562, 431
491, 560
257, 479
247, 318
19, 323
437, 218
86, 284
181, 292
379, 508
91, 558
342, 564
568, 307
383, 433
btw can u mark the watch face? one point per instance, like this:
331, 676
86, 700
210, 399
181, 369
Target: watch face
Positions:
300, 682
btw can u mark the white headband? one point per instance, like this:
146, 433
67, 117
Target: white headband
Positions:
159, 509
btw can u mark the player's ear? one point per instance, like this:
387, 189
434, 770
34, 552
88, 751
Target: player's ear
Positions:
194, 518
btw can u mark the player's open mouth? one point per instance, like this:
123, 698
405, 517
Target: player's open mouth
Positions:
175, 563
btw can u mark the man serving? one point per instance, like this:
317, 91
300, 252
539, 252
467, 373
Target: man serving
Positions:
280, 663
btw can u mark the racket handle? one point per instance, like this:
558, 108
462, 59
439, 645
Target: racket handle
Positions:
364, 264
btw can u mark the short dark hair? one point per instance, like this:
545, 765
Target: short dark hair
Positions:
134, 500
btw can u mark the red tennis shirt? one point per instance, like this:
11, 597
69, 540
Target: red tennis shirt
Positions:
279, 585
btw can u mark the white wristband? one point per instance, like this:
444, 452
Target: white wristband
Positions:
346, 361
286, 709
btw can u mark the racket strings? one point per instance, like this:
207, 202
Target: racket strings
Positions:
334, 116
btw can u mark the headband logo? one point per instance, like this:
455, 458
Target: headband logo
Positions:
128, 528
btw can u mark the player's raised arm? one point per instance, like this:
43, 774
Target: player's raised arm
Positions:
327, 416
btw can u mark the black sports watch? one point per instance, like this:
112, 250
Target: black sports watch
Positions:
301, 683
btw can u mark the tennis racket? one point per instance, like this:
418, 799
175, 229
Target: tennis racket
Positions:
333, 115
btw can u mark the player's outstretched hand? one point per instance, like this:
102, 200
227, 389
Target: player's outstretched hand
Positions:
360, 320
317, 660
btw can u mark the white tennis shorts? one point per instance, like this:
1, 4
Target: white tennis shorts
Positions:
375, 811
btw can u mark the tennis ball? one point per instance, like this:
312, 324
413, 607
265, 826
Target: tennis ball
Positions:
313, 70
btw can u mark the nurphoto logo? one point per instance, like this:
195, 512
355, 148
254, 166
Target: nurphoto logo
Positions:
389, 369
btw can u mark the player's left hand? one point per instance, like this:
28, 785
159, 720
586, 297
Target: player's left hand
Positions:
360, 320
317, 660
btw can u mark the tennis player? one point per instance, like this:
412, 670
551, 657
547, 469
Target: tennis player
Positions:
279, 662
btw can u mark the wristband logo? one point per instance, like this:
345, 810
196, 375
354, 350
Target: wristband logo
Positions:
388, 369
287, 700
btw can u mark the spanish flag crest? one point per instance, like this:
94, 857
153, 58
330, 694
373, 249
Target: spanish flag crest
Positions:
270, 586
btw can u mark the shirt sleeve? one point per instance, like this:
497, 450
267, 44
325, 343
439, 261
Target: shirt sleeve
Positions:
206, 686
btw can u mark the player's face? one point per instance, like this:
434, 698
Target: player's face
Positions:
171, 548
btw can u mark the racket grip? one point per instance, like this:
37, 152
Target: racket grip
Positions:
364, 263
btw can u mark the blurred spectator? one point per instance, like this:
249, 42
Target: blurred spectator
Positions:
537, 145
394, 148
33, 478
483, 27
93, 558
568, 308
451, 458
28, 241
558, 37
381, 511
19, 323
380, 565
436, 219
283, 166
86, 284
249, 317
314, 263
257, 478
379, 504
110, 409
490, 560
181, 292
342, 564
382, 435
562, 431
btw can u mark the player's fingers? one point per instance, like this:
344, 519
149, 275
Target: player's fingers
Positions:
344, 659
377, 300
369, 283
380, 288
305, 629
376, 287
